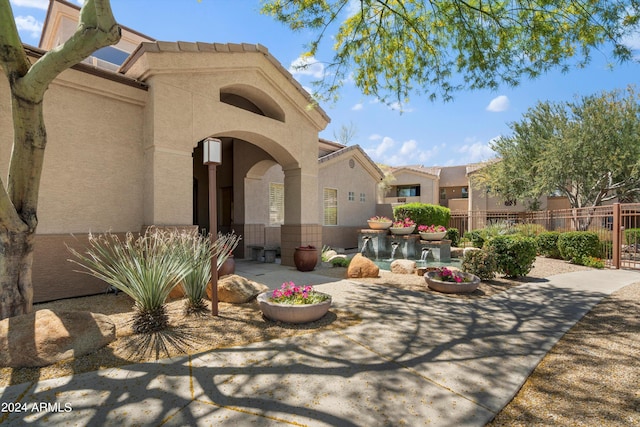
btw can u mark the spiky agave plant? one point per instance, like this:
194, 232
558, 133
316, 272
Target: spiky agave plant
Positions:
146, 268
199, 249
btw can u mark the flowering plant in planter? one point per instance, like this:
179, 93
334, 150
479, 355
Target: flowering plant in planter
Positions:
290, 293
379, 219
431, 228
446, 275
404, 223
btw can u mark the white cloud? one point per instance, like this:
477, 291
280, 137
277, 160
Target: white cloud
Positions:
307, 66
408, 153
357, 107
498, 104
29, 23
474, 151
375, 137
37, 4
396, 106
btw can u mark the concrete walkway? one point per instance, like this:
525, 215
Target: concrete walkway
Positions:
415, 359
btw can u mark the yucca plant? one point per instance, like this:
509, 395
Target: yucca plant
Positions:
198, 250
146, 268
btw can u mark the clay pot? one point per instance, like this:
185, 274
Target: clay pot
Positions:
305, 258
227, 267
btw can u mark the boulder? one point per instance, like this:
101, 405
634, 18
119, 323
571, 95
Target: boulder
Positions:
403, 266
457, 252
329, 254
361, 266
237, 289
471, 250
45, 337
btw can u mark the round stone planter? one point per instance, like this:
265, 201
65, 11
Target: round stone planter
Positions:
432, 236
452, 287
402, 230
292, 313
378, 225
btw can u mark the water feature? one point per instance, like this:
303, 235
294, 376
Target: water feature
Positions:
383, 248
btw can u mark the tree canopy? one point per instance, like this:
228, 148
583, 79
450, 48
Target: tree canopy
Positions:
587, 150
391, 48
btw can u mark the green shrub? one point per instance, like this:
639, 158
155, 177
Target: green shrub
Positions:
423, 213
605, 249
590, 261
146, 268
340, 262
574, 245
481, 263
514, 254
476, 237
547, 243
198, 250
632, 236
454, 235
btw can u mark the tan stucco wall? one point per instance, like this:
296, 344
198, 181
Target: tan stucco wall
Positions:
92, 174
337, 173
428, 186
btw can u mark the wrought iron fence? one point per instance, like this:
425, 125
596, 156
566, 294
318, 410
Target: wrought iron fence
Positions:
618, 250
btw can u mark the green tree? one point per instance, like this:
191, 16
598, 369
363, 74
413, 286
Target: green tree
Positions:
28, 83
587, 150
396, 47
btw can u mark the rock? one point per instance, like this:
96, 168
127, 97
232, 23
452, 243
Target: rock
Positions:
237, 289
45, 337
457, 252
361, 266
403, 266
337, 256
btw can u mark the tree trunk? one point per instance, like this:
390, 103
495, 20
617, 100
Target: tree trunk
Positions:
15, 273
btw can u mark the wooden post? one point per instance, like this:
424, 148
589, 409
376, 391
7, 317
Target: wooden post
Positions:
213, 231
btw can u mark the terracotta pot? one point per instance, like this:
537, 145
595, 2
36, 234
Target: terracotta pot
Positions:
292, 313
227, 267
452, 287
305, 258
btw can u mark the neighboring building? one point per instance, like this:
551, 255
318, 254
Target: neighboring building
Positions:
125, 151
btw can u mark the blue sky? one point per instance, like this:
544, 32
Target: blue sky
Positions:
426, 132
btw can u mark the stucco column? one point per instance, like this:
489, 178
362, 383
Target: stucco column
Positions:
301, 213
168, 184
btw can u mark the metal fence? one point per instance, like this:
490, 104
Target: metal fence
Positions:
619, 249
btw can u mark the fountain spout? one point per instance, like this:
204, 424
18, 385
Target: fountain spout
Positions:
365, 241
394, 248
425, 254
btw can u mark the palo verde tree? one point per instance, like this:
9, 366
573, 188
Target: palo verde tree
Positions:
391, 48
587, 150
28, 83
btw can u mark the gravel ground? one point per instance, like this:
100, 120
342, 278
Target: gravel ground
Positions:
591, 377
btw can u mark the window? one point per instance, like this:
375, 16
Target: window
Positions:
330, 206
465, 192
408, 190
111, 54
352, 196
362, 197
443, 194
276, 203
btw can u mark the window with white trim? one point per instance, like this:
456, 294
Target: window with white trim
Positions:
276, 203
330, 206
352, 196
362, 197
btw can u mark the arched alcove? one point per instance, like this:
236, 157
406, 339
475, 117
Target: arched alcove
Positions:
251, 99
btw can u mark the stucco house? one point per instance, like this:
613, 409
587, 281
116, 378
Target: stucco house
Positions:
125, 131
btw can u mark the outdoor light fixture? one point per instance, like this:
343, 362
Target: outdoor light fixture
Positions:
211, 151
211, 157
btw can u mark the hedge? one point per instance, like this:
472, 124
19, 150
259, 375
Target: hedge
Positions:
574, 246
423, 213
547, 243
